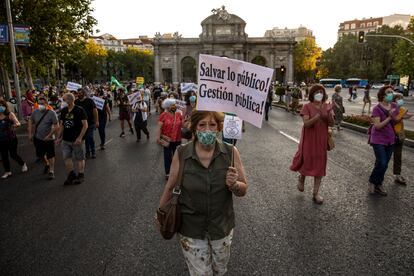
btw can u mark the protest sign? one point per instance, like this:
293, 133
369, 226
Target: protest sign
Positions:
180, 105
232, 127
73, 86
188, 86
134, 97
98, 102
233, 86
139, 80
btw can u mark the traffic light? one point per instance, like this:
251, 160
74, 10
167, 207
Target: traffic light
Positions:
361, 37
282, 69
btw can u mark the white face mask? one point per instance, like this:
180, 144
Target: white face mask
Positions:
42, 107
63, 105
318, 97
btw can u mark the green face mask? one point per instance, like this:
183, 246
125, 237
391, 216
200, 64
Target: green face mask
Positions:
207, 138
389, 97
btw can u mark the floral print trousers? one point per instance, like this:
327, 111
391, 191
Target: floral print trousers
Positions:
206, 257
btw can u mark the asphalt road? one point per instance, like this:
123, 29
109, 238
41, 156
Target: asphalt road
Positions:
105, 225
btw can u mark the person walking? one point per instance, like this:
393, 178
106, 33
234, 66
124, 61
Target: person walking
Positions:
42, 127
93, 121
104, 115
8, 139
311, 156
338, 106
169, 129
140, 118
124, 113
147, 99
269, 100
400, 133
207, 214
382, 138
367, 99
73, 126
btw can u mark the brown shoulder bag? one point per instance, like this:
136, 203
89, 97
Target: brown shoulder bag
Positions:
168, 215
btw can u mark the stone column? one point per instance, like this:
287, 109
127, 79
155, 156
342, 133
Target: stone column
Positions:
175, 66
157, 68
290, 68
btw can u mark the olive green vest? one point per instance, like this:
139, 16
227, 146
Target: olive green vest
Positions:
205, 201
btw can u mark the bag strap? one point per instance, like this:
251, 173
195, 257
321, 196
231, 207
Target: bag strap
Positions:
177, 187
41, 119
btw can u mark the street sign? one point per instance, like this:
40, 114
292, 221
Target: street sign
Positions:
4, 34
22, 35
393, 77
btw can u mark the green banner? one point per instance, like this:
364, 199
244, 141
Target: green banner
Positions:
114, 80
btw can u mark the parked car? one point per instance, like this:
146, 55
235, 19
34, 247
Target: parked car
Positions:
377, 85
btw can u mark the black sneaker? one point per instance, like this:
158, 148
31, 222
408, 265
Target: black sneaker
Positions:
51, 176
379, 190
87, 155
131, 130
122, 135
102, 147
79, 179
70, 179
46, 169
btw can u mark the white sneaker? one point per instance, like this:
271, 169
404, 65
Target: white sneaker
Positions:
371, 188
24, 168
6, 175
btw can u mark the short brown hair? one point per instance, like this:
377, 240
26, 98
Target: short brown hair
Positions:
4, 103
197, 116
381, 92
317, 88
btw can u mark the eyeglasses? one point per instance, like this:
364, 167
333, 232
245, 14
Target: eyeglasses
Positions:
204, 126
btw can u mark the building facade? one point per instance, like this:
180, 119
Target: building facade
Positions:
109, 42
299, 34
223, 34
372, 24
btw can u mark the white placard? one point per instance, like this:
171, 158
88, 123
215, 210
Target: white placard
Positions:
232, 127
134, 97
188, 86
233, 86
98, 102
181, 105
73, 86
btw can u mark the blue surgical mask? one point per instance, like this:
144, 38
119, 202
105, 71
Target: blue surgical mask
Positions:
2, 109
400, 102
207, 138
389, 98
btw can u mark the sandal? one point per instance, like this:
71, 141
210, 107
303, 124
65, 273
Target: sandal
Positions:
301, 184
317, 199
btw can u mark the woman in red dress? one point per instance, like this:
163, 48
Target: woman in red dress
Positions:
311, 157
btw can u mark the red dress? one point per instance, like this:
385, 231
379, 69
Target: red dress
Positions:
169, 128
312, 156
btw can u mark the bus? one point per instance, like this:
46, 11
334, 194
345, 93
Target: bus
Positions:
356, 82
330, 83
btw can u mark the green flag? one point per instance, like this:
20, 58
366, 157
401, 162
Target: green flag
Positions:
114, 80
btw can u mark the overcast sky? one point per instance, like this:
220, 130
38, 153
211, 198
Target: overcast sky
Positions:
131, 18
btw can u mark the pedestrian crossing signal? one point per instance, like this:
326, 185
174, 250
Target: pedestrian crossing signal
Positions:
282, 69
361, 37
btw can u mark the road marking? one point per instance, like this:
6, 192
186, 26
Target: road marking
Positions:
289, 137
109, 141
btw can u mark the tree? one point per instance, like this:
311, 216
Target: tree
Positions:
404, 54
92, 60
307, 54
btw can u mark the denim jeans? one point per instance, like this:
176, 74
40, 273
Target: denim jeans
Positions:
383, 155
168, 155
101, 130
89, 141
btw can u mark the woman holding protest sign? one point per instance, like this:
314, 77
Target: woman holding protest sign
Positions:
169, 132
207, 215
311, 157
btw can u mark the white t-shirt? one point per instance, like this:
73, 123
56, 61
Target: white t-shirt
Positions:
143, 105
147, 95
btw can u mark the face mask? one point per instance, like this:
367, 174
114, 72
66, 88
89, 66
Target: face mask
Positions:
318, 97
42, 107
2, 109
207, 137
388, 98
173, 109
400, 102
63, 105
193, 99
23, 98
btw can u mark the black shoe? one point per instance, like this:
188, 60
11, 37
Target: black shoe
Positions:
93, 156
138, 140
148, 137
102, 147
88, 155
131, 130
70, 179
379, 190
46, 169
51, 176
79, 179
122, 135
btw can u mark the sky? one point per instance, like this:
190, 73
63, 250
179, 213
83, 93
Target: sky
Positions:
131, 18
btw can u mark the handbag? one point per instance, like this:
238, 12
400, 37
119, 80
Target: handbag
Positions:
168, 215
331, 142
164, 139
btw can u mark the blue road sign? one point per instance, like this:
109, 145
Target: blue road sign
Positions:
4, 34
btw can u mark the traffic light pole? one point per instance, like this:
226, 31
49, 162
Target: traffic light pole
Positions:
13, 56
394, 36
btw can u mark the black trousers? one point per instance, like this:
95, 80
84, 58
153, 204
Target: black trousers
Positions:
7, 147
140, 126
398, 147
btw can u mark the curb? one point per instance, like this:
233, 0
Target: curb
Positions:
361, 129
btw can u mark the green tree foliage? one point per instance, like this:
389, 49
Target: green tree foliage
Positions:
404, 58
306, 55
373, 60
